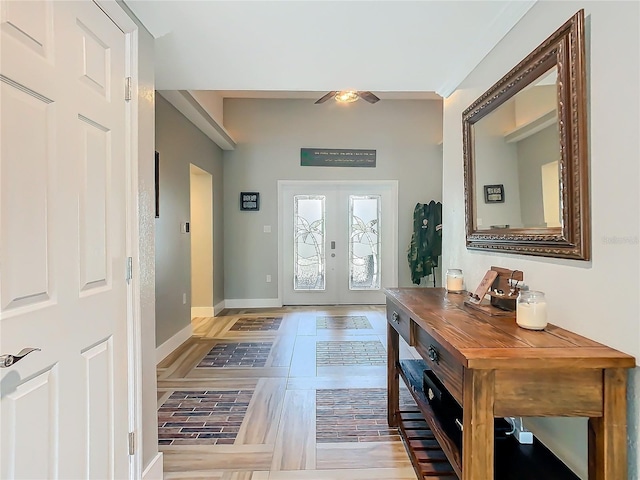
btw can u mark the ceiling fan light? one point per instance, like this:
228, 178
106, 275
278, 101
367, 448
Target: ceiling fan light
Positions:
346, 96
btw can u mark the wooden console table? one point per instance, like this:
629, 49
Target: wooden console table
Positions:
494, 368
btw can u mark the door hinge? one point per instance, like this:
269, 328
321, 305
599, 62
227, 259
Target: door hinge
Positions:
127, 88
132, 443
129, 269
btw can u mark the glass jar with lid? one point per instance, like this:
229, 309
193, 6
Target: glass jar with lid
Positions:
454, 281
531, 310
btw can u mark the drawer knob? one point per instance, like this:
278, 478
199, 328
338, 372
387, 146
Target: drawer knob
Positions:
430, 394
395, 317
433, 354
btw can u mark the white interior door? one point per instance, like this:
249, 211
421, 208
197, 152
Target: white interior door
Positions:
63, 242
338, 242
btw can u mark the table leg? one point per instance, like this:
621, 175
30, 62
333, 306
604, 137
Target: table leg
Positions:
477, 434
608, 434
393, 387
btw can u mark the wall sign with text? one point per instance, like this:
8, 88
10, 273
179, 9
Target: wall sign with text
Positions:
249, 201
334, 157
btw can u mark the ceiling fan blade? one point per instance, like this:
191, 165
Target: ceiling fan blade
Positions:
326, 97
368, 96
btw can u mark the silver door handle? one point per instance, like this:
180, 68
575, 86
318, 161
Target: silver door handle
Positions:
8, 360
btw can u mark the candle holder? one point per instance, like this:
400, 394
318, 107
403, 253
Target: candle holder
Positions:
531, 310
455, 281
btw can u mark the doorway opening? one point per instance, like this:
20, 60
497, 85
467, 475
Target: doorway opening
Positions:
201, 230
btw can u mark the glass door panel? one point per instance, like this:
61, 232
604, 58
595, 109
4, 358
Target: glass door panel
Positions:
338, 241
364, 242
309, 242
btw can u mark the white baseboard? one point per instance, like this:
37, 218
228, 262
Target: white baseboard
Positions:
154, 470
174, 342
253, 303
219, 307
202, 312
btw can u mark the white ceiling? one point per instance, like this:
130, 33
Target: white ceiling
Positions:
318, 46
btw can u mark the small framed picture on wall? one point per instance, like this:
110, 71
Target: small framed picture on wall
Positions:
494, 194
249, 201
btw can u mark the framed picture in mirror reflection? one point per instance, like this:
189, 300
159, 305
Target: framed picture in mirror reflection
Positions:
494, 194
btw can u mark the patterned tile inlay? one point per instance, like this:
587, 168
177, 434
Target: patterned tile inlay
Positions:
237, 354
356, 415
341, 323
257, 324
211, 417
350, 353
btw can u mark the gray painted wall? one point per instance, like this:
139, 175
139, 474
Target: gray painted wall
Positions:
496, 163
576, 292
270, 134
179, 144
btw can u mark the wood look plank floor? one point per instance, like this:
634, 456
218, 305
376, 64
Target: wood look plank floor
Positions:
243, 417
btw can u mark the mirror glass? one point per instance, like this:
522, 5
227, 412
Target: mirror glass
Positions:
517, 153
525, 154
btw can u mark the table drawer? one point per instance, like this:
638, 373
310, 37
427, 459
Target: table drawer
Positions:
400, 321
442, 363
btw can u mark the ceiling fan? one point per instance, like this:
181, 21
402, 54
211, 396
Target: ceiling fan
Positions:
348, 96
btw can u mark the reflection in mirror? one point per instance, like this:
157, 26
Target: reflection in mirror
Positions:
518, 146
525, 154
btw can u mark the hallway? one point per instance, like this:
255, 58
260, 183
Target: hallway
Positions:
283, 394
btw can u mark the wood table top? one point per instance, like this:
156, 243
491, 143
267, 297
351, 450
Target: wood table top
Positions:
481, 341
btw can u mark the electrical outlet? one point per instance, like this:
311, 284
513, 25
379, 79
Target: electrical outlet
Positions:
184, 298
520, 432
268, 278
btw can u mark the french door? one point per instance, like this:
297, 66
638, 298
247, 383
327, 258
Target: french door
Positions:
337, 241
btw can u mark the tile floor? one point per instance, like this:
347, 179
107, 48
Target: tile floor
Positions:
237, 354
259, 324
281, 394
351, 353
344, 322
197, 417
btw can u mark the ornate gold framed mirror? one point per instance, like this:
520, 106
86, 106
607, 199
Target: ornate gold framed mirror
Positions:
525, 154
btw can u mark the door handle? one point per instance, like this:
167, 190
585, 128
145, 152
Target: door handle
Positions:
8, 360
333, 245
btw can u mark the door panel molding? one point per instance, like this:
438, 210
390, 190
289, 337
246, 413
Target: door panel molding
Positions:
34, 401
25, 231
